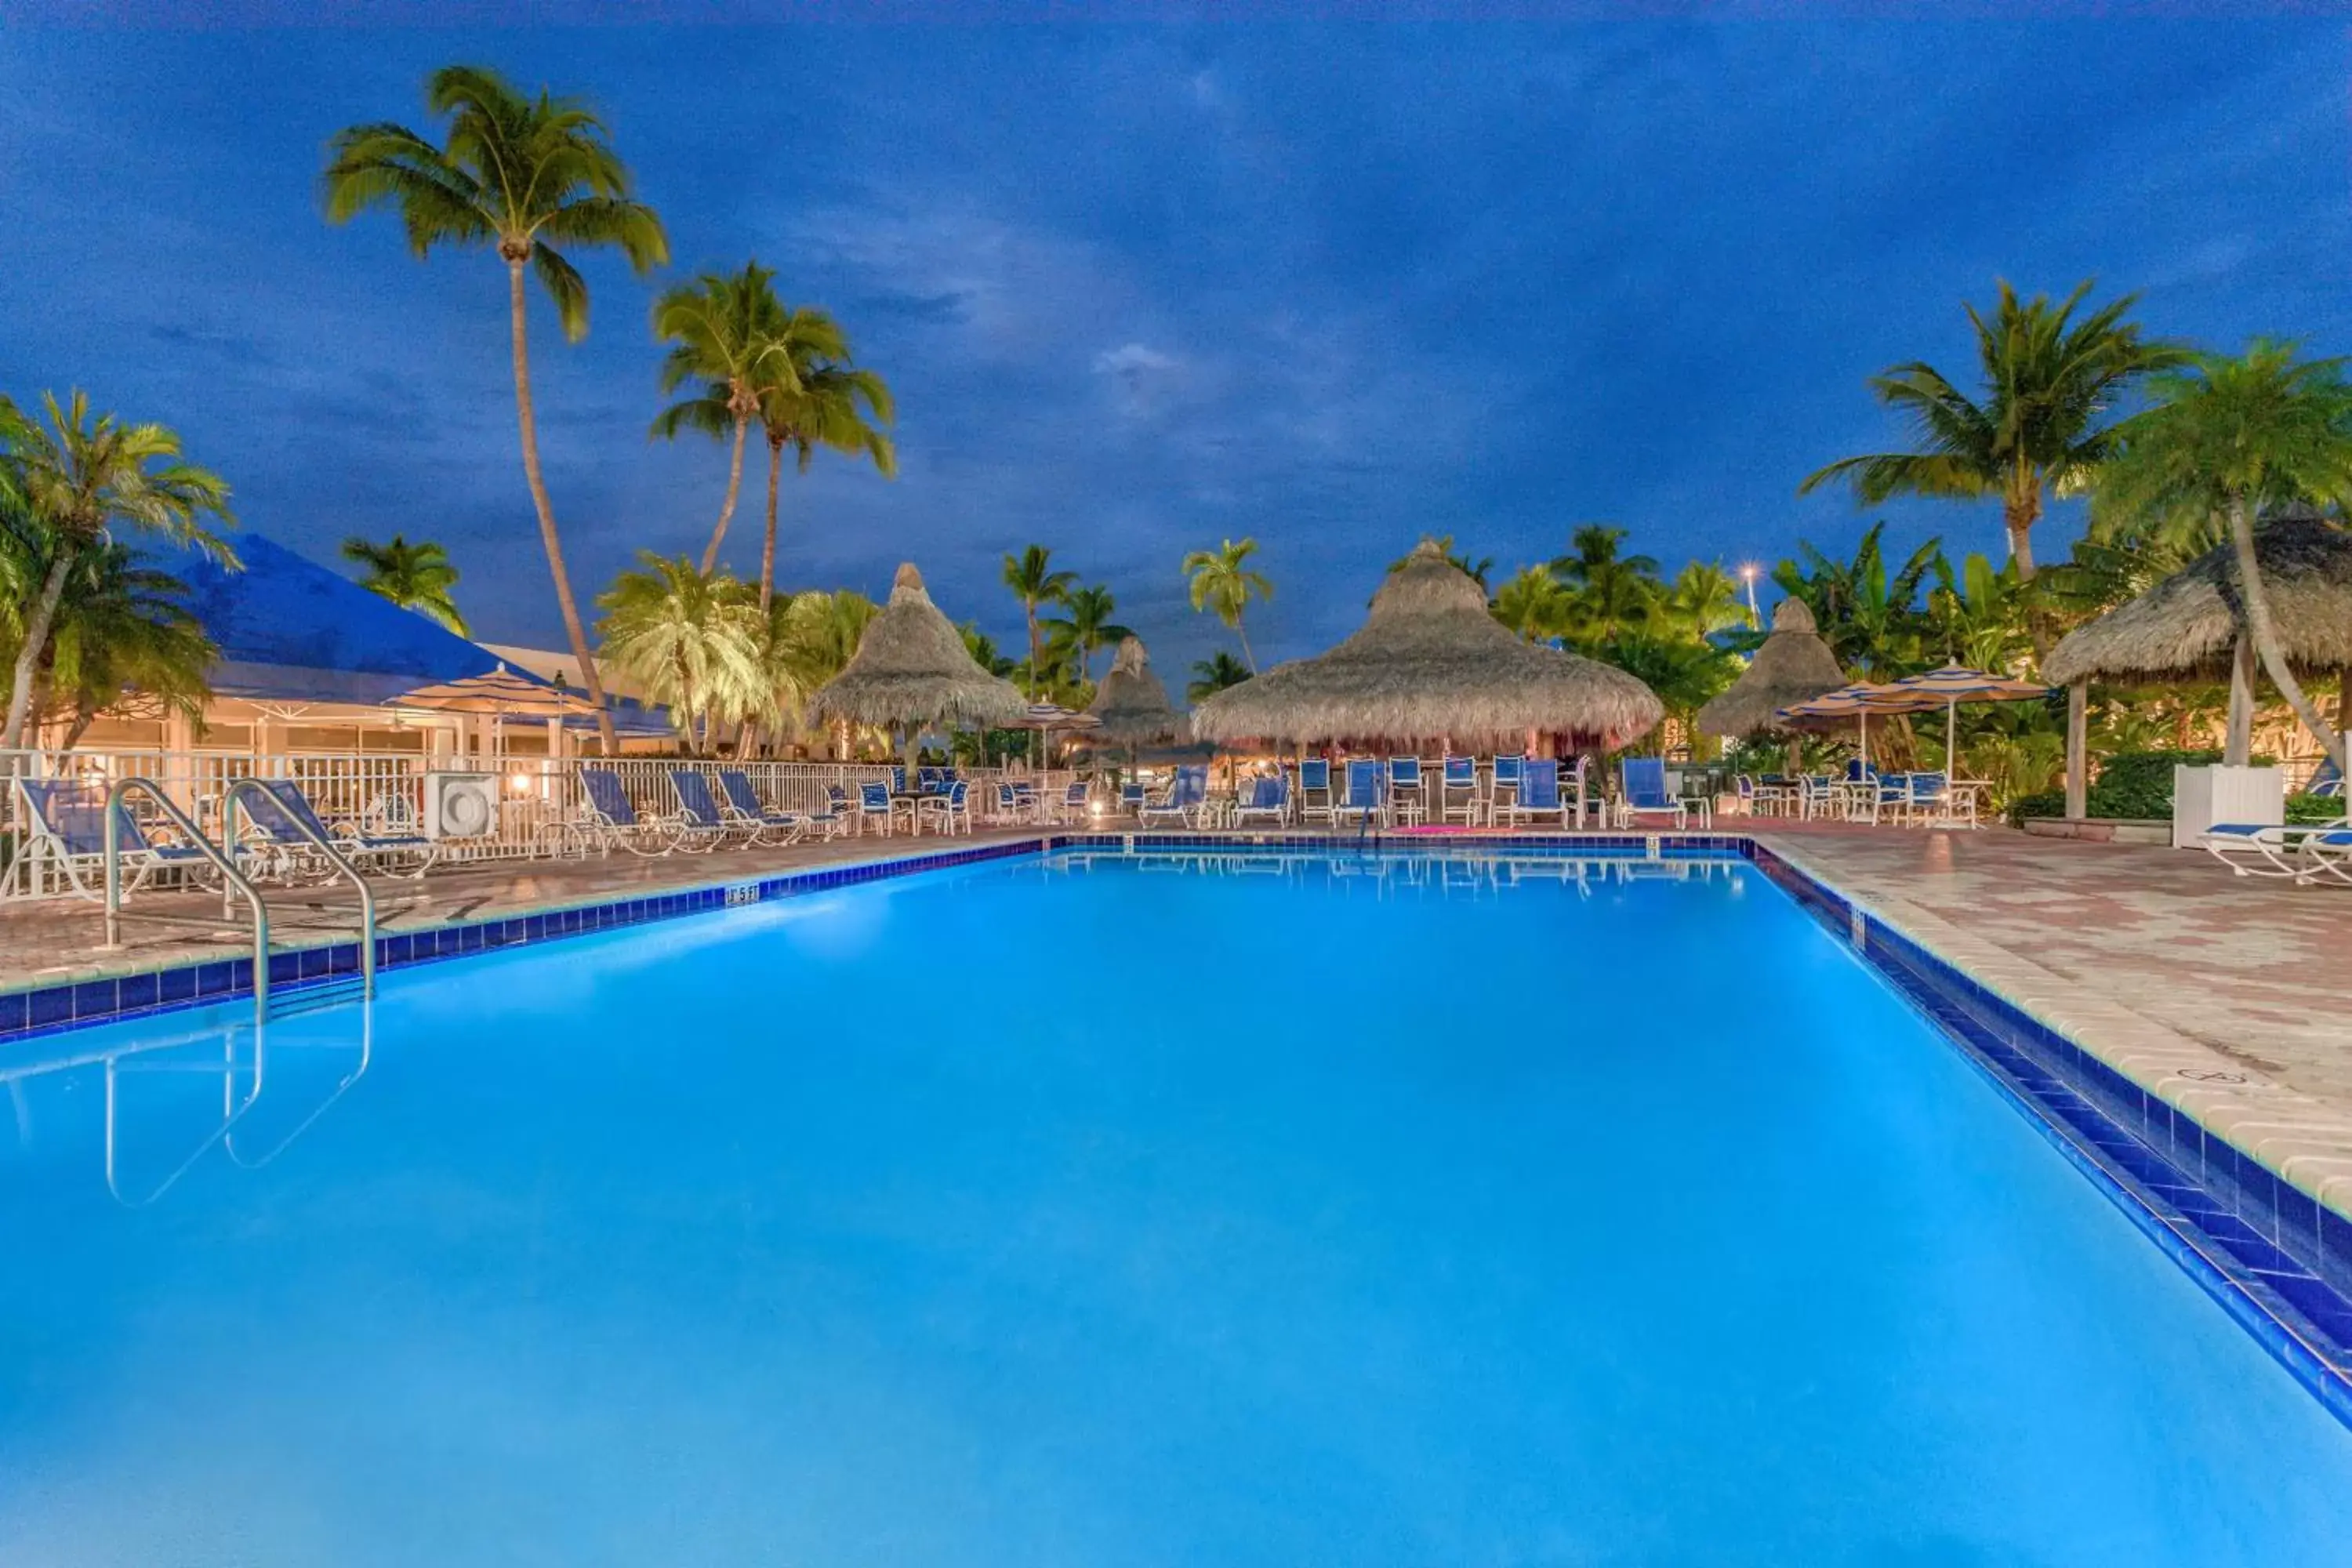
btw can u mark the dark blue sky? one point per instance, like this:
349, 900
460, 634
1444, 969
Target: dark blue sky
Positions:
1138, 288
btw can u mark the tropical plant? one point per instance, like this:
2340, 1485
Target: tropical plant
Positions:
521, 176
1977, 616
2228, 437
1035, 582
2040, 425
1608, 593
1223, 580
1702, 600
1532, 604
1870, 618
1213, 674
983, 650
124, 634
691, 642
719, 327
822, 631
1687, 672
1084, 630
73, 484
808, 400
414, 576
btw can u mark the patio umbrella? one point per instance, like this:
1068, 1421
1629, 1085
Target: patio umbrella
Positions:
502, 692
1857, 702
1957, 684
1431, 663
911, 669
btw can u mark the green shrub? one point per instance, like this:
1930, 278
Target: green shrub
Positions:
2041, 802
2308, 810
2131, 785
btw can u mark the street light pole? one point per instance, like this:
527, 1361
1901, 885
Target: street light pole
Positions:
1747, 575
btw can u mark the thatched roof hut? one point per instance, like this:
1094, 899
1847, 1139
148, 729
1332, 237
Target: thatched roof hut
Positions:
1132, 704
2187, 625
1430, 663
1793, 665
912, 668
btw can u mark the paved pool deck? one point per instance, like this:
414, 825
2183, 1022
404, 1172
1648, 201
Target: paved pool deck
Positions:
2231, 997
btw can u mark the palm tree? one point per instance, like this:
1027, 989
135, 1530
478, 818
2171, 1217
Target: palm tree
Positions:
691, 642
1870, 619
807, 401
1532, 604
2229, 437
1608, 593
1033, 582
1223, 580
2039, 428
414, 576
76, 481
1086, 630
823, 631
1476, 570
1213, 674
1702, 600
123, 632
717, 327
521, 176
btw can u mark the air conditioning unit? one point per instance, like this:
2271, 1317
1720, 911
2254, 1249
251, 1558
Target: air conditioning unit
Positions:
461, 805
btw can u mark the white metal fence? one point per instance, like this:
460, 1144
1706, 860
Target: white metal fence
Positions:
380, 793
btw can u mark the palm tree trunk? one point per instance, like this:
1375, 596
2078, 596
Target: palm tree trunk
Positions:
37, 640
2020, 520
1242, 632
1029, 608
528, 420
2238, 732
727, 508
768, 550
2265, 633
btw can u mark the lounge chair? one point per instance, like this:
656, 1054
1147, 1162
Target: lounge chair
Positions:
1362, 804
2328, 856
743, 809
1131, 800
1457, 791
1405, 797
949, 808
279, 813
1185, 798
2327, 781
1315, 789
609, 820
702, 825
66, 827
2259, 849
1576, 794
1269, 801
1646, 793
1537, 794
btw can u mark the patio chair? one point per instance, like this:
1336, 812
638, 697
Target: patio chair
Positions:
1646, 793
1131, 799
1502, 785
949, 808
66, 827
2328, 856
877, 809
2326, 782
1268, 800
279, 813
743, 809
1074, 809
1577, 794
1457, 790
1315, 789
1404, 799
1187, 794
2259, 849
931, 781
609, 820
1362, 803
1817, 795
1537, 794
701, 824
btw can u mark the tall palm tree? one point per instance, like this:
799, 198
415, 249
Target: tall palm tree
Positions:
1703, 599
1085, 629
76, 482
521, 176
1213, 674
690, 641
2040, 425
2229, 435
732, 333
1532, 604
1223, 580
808, 400
1608, 592
125, 632
414, 576
1035, 582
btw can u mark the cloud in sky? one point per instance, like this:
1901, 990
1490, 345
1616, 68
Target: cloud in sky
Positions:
1142, 287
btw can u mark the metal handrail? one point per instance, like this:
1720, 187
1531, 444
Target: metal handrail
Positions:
223, 860
335, 859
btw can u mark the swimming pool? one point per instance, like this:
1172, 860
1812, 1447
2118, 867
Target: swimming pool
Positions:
1106, 1209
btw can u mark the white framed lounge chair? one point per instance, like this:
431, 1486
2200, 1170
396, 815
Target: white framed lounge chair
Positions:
1315, 789
2261, 849
65, 821
2327, 856
741, 807
1185, 799
1537, 794
1646, 793
609, 820
1457, 790
1361, 801
1268, 801
281, 821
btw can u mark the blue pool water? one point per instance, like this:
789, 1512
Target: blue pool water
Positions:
1104, 1212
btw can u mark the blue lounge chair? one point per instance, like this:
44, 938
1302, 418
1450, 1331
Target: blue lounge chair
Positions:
1131, 799
1405, 802
1361, 803
1502, 785
1646, 793
1315, 789
2327, 855
279, 812
2327, 781
2259, 849
1457, 791
702, 825
66, 827
1537, 793
949, 808
1185, 798
743, 809
1269, 801
609, 820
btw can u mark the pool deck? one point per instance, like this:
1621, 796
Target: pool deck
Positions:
2231, 997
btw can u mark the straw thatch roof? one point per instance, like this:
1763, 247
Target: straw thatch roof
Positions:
2187, 625
912, 667
1430, 664
1793, 665
1132, 704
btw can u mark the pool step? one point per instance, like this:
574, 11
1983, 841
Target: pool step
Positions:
336, 992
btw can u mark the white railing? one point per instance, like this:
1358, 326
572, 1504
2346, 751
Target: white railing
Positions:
384, 794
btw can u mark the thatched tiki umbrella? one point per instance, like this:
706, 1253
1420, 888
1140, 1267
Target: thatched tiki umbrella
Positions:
2193, 626
1793, 667
1430, 664
911, 669
1132, 704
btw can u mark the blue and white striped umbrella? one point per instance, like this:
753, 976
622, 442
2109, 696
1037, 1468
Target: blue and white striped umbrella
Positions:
1957, 684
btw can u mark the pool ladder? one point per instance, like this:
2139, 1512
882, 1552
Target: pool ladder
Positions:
235, 883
